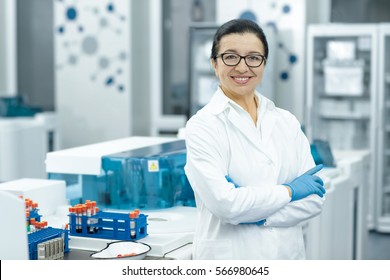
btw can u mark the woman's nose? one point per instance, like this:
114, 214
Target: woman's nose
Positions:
241, 66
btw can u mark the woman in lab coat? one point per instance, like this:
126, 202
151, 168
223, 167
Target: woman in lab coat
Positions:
242, 135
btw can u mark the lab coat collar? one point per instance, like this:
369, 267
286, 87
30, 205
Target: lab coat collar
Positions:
266, 118
220, 102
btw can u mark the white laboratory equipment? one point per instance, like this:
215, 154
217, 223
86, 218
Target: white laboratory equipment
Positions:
383, 148
24, 142
318, 231
22, 148
135, 172
354, 164
13, 234
342, 90
50, 195
340, 231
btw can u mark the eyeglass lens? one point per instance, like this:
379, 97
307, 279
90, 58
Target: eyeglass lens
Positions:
235, 59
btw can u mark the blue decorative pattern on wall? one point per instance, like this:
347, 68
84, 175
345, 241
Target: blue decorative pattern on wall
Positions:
79, 40
291, 58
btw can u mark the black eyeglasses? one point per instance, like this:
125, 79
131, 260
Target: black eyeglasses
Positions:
233, 59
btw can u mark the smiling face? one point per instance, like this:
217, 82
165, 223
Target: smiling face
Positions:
240, 80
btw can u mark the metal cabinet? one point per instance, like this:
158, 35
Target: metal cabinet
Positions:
342, 91
203, 81
383, 147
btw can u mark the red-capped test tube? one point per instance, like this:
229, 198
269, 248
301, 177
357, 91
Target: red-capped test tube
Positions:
133, 230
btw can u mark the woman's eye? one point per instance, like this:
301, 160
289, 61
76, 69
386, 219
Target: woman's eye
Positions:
231, 56
254, 58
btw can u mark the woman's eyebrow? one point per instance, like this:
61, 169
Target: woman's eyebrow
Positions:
235, 51
230, 51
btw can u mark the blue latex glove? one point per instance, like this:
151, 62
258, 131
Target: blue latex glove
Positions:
259, 223
231, 181
307, 184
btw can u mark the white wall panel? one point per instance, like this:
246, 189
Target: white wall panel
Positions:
93, 79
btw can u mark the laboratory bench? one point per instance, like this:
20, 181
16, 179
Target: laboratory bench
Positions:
181, 252
76, 254
340, 232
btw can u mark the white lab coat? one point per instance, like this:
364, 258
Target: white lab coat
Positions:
222, 140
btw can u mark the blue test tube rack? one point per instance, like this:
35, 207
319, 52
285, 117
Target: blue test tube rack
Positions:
34, 213
43, 235
108, 225
53, 242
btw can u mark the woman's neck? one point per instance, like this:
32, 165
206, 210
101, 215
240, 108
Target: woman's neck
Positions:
248, 102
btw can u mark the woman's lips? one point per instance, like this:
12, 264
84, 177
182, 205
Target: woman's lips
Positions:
241, 80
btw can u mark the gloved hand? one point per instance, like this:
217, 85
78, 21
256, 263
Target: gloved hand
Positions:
231, 181
307, 184
259, 223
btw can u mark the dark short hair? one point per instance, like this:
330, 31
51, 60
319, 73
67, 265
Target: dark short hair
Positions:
240, 26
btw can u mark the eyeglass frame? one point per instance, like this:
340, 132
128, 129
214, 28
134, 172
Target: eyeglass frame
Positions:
242, 57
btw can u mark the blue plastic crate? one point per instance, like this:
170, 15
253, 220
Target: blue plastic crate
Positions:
43, 235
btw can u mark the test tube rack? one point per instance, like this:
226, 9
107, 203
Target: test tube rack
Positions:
34, 213
44, 243
108, 225
55, 243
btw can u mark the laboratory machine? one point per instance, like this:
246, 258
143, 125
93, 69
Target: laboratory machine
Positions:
383, 148
14, 106
145, 173
342, 92
26, 135
348, 101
